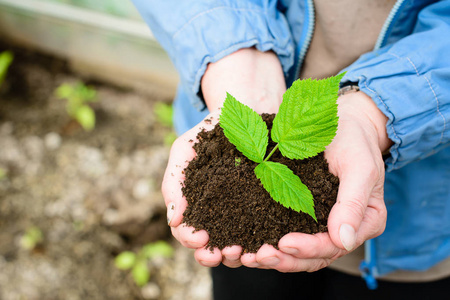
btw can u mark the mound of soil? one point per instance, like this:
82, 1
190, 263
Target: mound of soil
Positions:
226, 199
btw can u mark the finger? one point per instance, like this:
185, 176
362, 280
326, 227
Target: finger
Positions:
249, 260
208, 258
307, 246
231, 256
232, 252
231, 263
374, 221
190, 238
181, 153
269, 257
357, 182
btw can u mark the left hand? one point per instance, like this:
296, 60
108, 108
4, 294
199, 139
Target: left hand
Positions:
359, 213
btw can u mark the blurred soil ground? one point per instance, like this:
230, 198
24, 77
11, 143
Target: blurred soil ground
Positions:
92, 194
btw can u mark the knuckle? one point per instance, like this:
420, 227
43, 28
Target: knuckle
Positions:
318, 264
356, 206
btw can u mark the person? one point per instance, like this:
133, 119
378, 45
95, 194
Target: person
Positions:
390, 152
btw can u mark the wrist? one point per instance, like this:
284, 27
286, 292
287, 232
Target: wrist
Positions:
360, 106
254, 78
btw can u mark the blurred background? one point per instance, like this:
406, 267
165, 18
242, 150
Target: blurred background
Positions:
85, 132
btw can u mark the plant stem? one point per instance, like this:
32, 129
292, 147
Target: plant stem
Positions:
271, 152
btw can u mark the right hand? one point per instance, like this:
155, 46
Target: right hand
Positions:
181, 154
256, 79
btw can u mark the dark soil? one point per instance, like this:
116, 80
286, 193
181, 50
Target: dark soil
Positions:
227, 200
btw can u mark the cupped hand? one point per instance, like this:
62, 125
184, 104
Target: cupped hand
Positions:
355, 156
256, 79
181, 154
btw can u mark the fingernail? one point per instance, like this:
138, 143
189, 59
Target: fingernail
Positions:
170, 212
289, 250
348, 236
270, 261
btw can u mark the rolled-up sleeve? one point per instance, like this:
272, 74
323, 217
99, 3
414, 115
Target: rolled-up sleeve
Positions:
195, 33
410, 83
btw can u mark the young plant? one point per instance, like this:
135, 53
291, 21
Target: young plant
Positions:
138, 262
305, 124
164, 113
6, 58
164, 116
3, 173
78, 96
31, 238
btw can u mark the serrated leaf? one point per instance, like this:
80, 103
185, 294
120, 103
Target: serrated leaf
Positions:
244, 128
307, 119
285, 187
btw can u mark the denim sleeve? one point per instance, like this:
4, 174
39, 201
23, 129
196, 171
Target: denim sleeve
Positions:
195, 33
409, 81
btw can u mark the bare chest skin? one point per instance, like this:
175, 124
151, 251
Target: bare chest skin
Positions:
344, 29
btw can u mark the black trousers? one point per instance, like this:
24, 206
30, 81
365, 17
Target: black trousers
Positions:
246, 283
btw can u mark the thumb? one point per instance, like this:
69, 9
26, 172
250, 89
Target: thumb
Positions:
355, 188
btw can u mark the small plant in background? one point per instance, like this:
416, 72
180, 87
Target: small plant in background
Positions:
78, 96
32, 237
6, 58
164, 116
305, 124
138, 262
3, 173
164, 113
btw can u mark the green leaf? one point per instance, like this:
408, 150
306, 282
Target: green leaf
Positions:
125, 260
164, 113
244, 128
64, 91
285, 187
3, 173
140, 273
6, 58
307, 119
32, 237
158, 249
86, 117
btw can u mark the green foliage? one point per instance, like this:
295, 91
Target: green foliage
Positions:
285, 187
6, 58
164, 113
138, 262
125, 260
304, 130
78, 96
245, 129
237, 161
31, 238
3, 173
305, 124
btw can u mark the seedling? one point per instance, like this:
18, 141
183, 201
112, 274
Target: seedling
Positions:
237, 161
305, 124
6, 58
78, 96
164, 116
3, 173
32, 237
164, 113
138, 263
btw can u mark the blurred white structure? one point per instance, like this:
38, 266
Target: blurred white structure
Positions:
102, 38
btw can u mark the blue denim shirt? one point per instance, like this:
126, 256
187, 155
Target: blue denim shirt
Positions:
407, 75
